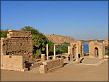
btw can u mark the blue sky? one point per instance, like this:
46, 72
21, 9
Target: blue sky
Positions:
77, 19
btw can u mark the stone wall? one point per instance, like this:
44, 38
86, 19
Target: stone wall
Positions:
106, 42
16, 49
51, 65
18, 43
12, 63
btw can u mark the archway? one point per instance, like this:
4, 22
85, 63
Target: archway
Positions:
74, 51
96, 52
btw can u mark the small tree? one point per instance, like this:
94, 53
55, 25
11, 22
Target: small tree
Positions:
3, 33
39, 41
50, 47
64, 49
37, 54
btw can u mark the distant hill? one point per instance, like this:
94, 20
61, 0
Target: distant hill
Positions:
88, 40
58, 39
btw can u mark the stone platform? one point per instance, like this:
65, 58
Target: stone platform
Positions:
86, 61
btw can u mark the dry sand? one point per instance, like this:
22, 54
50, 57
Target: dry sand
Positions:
70, 72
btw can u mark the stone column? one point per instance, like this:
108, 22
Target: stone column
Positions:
1, 46
71, 55
104, 51
68, 49
101, 51
71, 49
54, 53
82, 50
77, 58
42, 57
68, 52
47, 51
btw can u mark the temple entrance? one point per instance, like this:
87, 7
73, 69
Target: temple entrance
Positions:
96, 52
74, 51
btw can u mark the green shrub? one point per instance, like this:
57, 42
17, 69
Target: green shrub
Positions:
51, 52
59, 51
64, 49
37, 54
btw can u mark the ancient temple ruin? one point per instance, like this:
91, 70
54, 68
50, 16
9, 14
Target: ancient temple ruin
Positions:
96, 49
16, 50
76, 49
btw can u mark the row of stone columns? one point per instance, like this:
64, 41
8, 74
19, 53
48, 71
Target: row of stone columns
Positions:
43, 55
69, 53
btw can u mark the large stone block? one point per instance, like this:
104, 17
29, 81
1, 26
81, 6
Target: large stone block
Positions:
43, 69
42, 57
12, 62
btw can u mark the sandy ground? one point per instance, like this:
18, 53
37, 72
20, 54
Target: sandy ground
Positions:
70, 72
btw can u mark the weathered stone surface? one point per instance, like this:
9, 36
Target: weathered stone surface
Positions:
43, 69
36, 64
106, 42
17, 44
42, 57
16, 49
96, 50
12, 62
18, 34
51, 65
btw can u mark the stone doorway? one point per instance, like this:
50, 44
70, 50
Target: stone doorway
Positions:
74, 51
96, 52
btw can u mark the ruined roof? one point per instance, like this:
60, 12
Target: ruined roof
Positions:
18, 33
